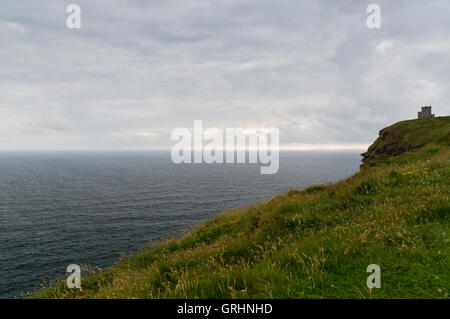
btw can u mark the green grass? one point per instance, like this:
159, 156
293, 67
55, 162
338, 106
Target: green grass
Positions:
312, 243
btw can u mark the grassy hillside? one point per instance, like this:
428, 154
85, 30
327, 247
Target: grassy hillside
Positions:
316, 242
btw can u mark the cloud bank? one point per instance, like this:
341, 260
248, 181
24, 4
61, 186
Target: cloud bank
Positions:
138, 69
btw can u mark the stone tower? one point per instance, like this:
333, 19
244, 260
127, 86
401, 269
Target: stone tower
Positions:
425, 113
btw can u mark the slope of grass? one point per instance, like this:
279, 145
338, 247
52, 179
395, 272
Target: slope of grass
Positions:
312, 243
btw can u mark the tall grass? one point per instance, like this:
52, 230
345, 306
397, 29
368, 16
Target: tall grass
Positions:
312, 243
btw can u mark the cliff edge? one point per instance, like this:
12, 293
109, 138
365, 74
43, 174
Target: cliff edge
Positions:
407, 136
312, 243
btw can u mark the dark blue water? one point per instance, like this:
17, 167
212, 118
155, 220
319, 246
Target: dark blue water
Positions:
59, 208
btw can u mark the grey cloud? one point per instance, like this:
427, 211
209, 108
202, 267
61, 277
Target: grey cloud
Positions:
311, 68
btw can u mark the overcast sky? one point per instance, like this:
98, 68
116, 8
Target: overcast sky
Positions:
138, 69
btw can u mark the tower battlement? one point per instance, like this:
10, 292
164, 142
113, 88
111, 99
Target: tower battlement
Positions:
425, 113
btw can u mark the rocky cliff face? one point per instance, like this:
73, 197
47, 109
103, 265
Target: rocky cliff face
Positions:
407, 136
386, 145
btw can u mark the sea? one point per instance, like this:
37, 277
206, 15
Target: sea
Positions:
90, 207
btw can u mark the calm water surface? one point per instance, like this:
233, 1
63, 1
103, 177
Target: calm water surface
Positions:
59, 208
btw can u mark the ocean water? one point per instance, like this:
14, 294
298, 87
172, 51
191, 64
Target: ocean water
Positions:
86, 208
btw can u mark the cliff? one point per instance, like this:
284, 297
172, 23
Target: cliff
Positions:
312, 243
407, 136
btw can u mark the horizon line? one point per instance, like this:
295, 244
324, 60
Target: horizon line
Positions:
169, 150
